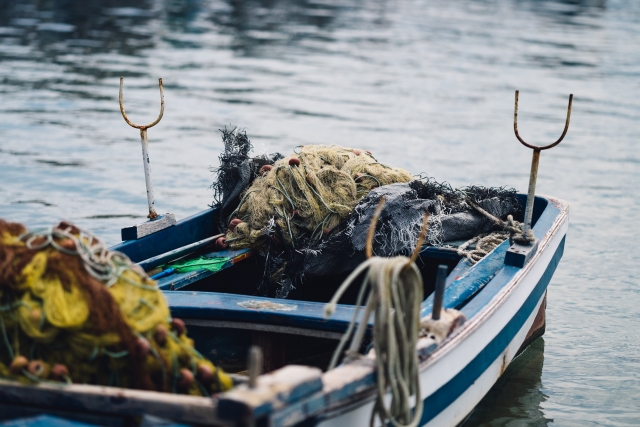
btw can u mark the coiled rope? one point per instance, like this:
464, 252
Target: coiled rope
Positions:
395, 291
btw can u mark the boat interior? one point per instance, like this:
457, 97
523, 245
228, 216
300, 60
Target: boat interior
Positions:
225, 315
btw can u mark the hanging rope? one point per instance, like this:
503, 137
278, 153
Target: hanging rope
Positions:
394, 287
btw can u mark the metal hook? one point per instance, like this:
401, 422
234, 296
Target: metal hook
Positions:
535, 147
124, 115
535, 161
145, 145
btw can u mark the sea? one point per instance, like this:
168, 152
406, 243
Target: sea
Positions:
426, 85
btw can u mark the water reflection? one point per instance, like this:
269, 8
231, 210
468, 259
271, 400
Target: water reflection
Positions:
517, 397
425, 84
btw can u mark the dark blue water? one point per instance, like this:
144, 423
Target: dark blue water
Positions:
425, 85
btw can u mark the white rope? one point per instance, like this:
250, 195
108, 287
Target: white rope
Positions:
395, 293
485, 243
101, 263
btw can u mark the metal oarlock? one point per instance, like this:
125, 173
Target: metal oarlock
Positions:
535, 162
145, 146
525, 246
156, 222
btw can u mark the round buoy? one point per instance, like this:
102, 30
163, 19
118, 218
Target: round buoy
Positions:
143, 347
205, 374
357, 177
356, 152
38, 369
234, 223
59, 372
185, 379
265, 169
178, 326
161, 335
294, 161
18, 364
221, 243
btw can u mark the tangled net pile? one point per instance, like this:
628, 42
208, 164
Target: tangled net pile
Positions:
308, 214
307, 195
73, 311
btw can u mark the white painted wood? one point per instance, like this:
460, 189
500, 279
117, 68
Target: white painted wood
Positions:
139, 231
456, 352
112, 400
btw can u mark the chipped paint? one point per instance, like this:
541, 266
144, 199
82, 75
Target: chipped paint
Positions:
267, 305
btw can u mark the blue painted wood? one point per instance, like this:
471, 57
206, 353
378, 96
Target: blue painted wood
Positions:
449, 392
189, 230
460, 291
294, 383
166, 257
219, 306
177, 281
44, 421
171, 281
519, 255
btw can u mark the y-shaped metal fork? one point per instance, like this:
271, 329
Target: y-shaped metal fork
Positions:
534, 165
145, 146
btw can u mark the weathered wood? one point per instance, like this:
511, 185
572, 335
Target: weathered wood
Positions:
186, 231
518, 255
111, 400
273, 349
263, 327
537, 328
177, 253
139, 231
273, 391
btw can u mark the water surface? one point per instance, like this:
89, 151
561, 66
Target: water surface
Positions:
425, 85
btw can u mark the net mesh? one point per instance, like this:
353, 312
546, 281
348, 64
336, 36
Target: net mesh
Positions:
308, 213
73, 311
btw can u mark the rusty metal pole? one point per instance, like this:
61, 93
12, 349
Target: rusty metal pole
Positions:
533, 178
535, 161
144, 141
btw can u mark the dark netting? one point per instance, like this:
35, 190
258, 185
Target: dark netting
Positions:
236, 171
341, 248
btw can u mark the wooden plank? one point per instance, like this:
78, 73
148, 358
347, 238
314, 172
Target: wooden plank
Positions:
111, 400
177, 253
242, 308
186, 231
273, 349
518, 255
273, 391
139, 231
174, 282
263, 327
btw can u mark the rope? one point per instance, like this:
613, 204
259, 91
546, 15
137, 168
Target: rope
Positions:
485, 243
395, 293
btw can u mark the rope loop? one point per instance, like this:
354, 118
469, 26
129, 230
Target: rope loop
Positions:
394, 288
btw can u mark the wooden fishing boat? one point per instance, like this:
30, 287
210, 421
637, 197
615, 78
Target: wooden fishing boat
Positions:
504, 305
502, 298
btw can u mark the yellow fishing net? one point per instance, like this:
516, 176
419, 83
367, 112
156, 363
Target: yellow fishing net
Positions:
307, 194
73, 311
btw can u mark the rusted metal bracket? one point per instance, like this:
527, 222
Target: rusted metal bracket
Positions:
524, 247
156, 222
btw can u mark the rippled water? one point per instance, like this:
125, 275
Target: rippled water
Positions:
425, 85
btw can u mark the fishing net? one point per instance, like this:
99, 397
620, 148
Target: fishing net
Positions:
73, 311
307, 214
